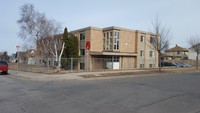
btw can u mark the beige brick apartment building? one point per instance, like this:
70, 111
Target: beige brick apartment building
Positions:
115, 48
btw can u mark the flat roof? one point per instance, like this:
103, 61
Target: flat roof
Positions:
109, 28
85, 28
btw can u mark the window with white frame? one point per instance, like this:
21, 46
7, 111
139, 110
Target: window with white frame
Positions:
151, 54
116, 40
111, 41
106, 41
82, 36
142, 53
142, 37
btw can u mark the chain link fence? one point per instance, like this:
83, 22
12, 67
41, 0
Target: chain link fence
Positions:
50, 65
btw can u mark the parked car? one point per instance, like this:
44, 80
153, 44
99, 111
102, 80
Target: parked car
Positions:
183, 64
187, 65
3, 67
180, 64
169, 64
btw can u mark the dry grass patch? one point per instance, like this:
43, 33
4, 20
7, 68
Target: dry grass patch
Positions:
143, 72
88, 76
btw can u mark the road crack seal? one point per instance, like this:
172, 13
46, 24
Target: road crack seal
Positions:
156, 102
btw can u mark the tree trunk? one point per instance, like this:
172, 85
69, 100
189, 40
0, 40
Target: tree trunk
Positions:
59, 60
56, 55
197, 61
159, 62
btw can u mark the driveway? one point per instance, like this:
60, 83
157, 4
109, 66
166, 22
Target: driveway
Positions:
166, 93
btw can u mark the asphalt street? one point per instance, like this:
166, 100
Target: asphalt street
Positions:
166, 93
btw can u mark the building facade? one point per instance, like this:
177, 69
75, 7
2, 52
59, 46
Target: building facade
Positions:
115, 48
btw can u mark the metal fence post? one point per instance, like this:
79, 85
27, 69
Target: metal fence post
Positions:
18, 60
48, 65
26, 62
71, 63
112, 62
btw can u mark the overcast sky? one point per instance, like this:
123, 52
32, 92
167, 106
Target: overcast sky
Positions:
182, 16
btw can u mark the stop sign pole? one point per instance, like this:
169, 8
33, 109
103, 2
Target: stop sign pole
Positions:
88, 48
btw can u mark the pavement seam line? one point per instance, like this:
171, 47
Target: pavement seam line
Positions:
156, 102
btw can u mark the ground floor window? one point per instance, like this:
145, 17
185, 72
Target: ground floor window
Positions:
112, 62
112, 58
116, 58
82, 51
82, 66
141, 65
151, 65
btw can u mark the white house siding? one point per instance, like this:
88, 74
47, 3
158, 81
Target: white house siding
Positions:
192, 55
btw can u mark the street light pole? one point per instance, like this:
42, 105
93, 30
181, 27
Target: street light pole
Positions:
17, 47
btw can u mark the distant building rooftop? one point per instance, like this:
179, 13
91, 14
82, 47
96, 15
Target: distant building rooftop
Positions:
177, 48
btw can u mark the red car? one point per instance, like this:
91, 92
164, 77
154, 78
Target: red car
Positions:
3, 67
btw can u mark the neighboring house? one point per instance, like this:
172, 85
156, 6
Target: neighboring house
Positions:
28, 57
31, 57
120, 47
176, 53
20, 56
193, 54
12, 58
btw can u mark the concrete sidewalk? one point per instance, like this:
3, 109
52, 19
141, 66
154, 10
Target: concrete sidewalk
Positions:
67, 76
40, 76
95, 75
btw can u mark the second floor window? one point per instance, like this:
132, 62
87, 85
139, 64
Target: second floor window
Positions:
142, 53
142, 38
110, 33
116, 40
82, 36
152, 39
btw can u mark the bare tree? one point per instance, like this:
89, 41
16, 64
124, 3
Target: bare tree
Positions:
4, 56
161, 40
52, 45
27, 44
194, 42
34, 26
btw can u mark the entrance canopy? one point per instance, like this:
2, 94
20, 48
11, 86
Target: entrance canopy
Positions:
113, 53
